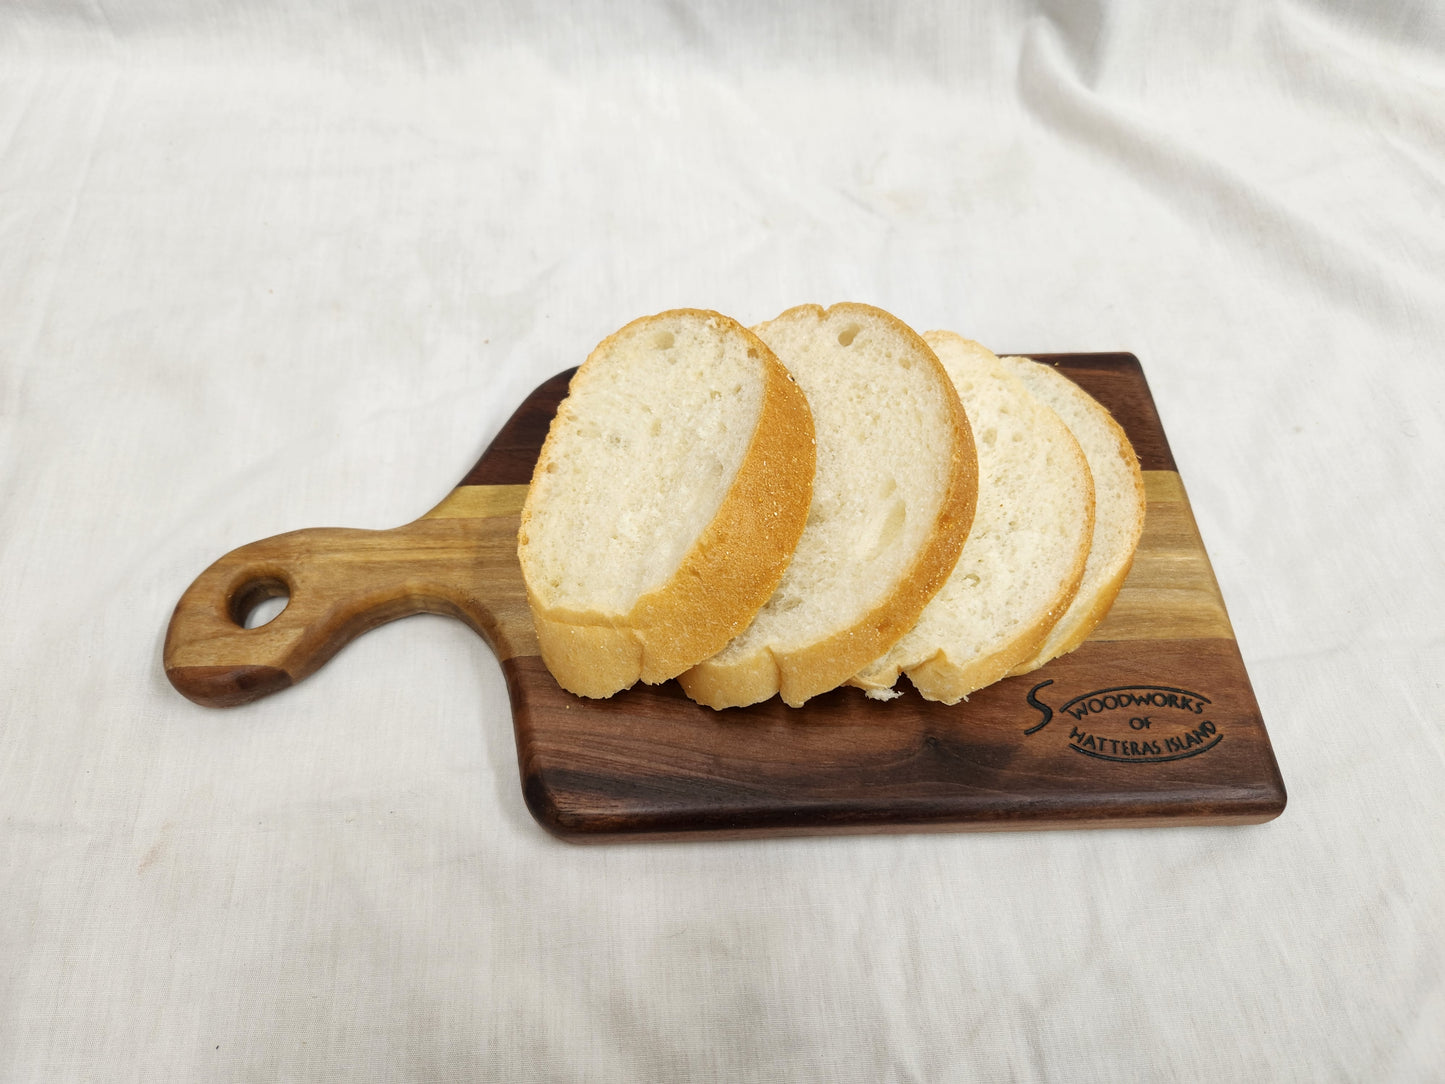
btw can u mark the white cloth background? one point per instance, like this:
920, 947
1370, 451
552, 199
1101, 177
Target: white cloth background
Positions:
267, 265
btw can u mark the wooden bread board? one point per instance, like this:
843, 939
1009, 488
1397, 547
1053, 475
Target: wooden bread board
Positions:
1152, 721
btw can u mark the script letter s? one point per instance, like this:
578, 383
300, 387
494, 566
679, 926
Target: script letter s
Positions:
1042, 708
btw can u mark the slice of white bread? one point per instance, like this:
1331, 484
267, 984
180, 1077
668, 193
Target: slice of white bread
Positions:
1118, 504
1026, 553
669, 495
892, 502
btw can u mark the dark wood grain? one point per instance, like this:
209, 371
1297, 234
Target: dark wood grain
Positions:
652, 764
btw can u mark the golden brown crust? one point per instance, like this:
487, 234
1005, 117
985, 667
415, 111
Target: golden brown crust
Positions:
588, 659
729, 572
801, 674
750, 680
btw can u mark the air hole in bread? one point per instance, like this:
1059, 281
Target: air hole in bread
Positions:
988, 436
847, 335
971, 580
883, 532
663, 340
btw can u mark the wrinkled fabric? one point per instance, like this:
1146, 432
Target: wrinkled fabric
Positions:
270, 265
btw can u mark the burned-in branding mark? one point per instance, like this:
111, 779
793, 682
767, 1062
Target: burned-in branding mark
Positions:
1133, 724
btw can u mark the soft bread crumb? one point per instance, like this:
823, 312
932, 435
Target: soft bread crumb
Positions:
642, 452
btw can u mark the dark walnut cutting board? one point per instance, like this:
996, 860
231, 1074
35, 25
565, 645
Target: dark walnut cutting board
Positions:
1150, 722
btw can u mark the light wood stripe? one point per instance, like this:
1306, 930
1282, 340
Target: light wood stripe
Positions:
1171, 592
478, 502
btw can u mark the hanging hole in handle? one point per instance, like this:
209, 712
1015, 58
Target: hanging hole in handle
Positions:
258, 602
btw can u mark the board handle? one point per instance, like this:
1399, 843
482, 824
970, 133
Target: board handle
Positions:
459, 559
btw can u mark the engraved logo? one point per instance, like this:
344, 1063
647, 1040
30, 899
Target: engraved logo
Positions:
1133, 724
